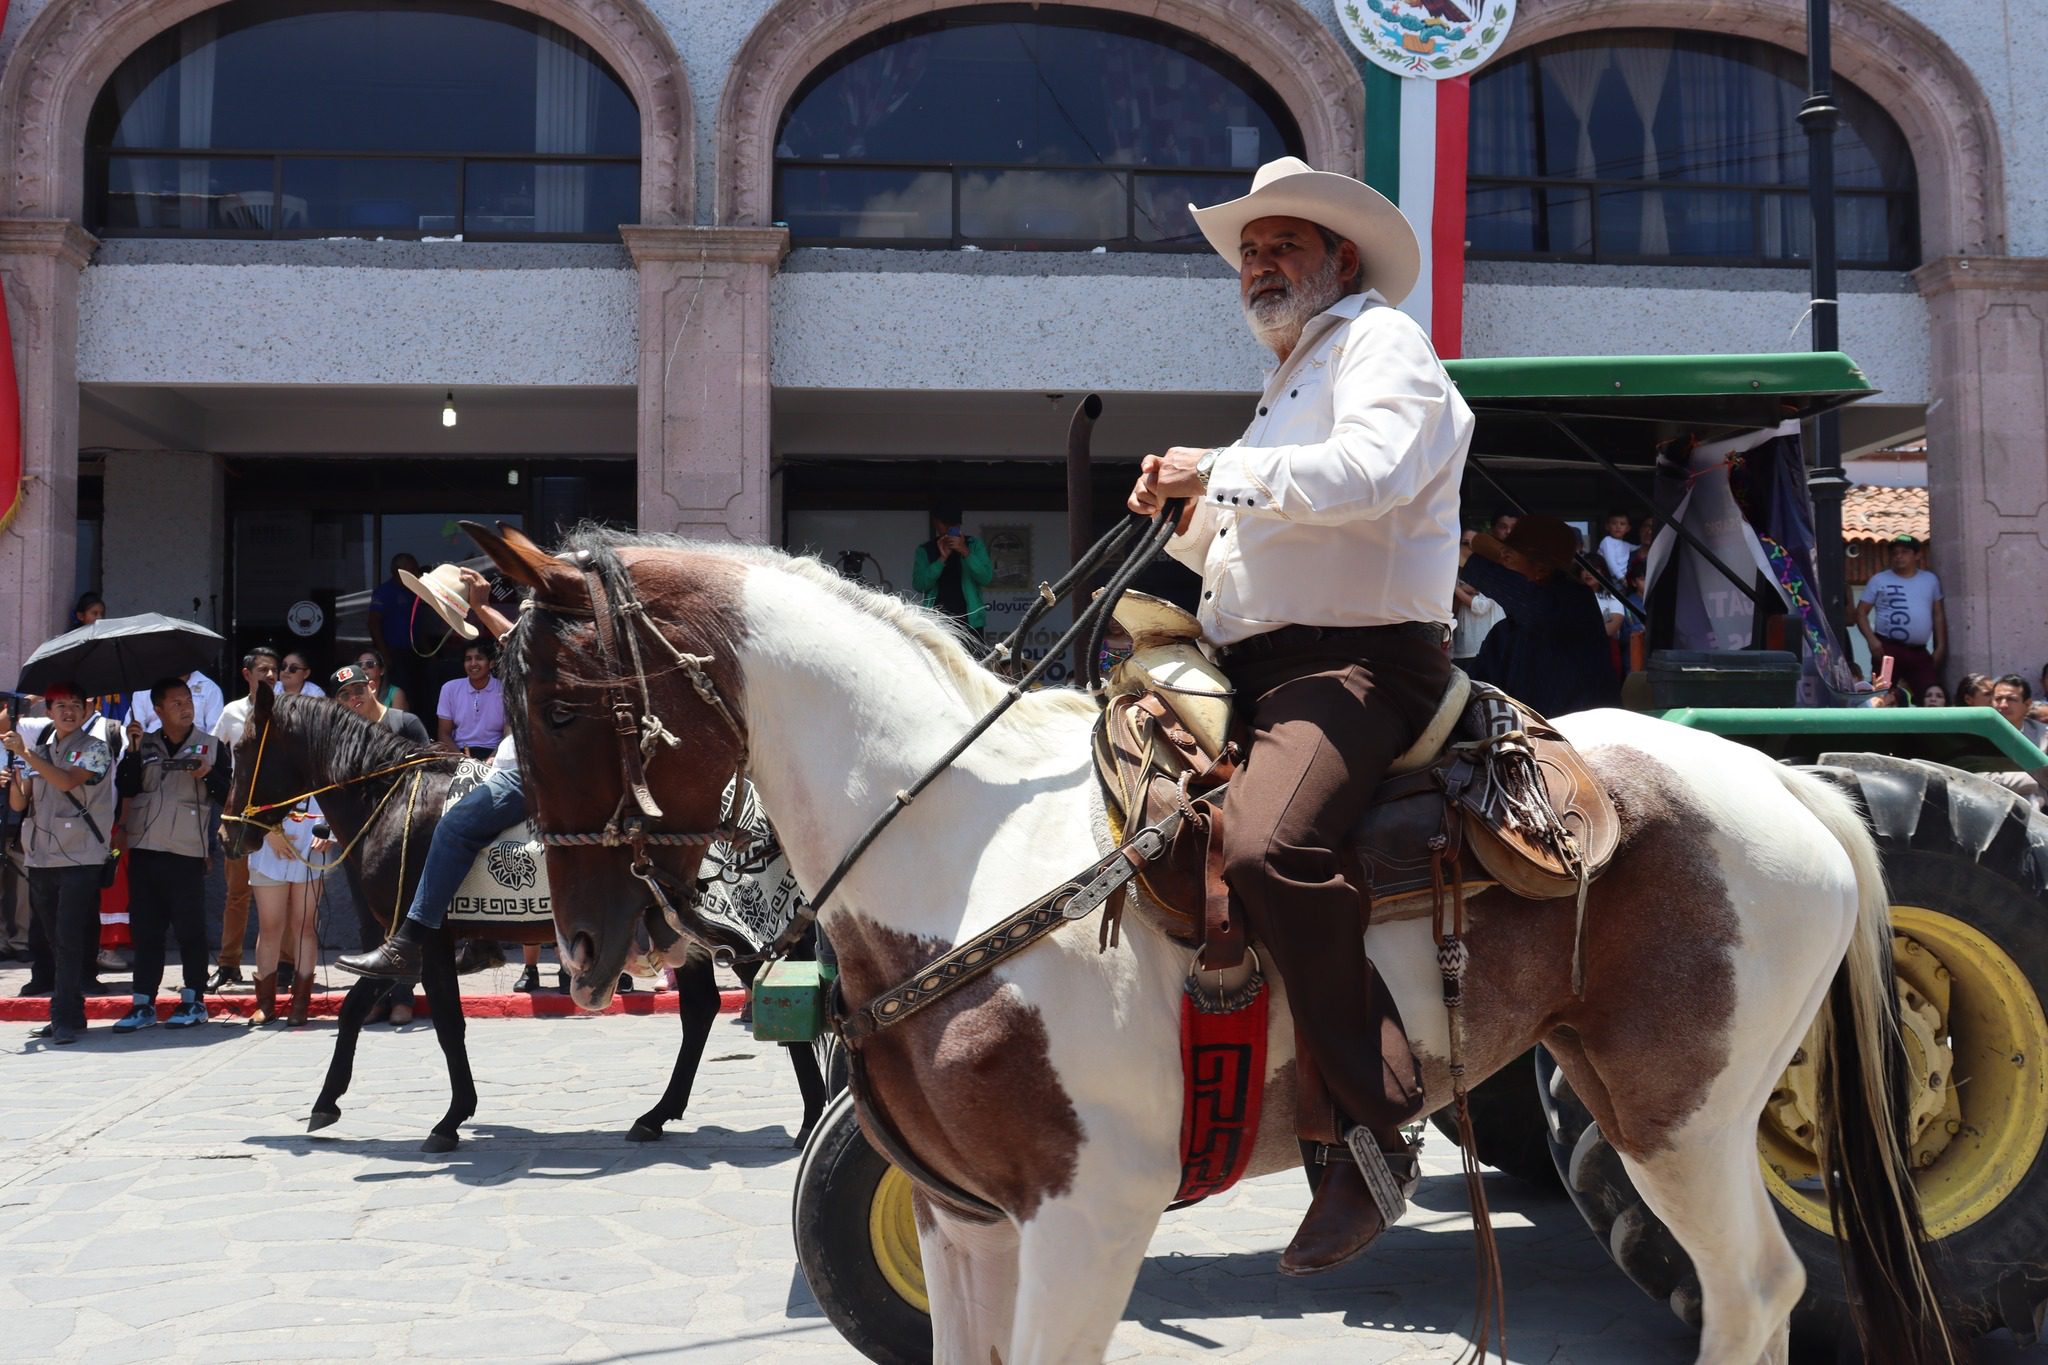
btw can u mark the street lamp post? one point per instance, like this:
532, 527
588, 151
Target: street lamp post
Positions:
1825, 481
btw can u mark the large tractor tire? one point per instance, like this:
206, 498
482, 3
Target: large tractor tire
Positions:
856, 1240
1967, 866
1508, 1124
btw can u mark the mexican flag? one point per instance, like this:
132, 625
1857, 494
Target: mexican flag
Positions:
1415, 149
1420, 56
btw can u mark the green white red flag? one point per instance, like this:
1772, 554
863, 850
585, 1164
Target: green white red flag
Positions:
1418, 99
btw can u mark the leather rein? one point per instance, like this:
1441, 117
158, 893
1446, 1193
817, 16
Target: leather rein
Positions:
641, 735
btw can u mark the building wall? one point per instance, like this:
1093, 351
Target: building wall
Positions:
358, 313
2001, 42
1513, 308
1009, 320
163, 535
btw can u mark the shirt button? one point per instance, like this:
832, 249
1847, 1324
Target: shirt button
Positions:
1262, 412
1223, 530
1207, 595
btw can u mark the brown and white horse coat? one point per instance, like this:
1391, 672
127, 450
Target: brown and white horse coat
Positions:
1052, 1088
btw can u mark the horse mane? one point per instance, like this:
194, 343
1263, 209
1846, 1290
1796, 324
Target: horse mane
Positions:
932, 633
351, 745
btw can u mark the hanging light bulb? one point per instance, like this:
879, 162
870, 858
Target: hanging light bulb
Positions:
448, 412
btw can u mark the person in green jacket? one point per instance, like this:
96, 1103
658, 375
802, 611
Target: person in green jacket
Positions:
951, 570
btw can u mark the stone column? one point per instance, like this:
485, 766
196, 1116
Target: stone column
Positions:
165, 535
1987, 456
704, 390
40, 262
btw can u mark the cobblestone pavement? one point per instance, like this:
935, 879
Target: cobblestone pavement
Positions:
159, 1200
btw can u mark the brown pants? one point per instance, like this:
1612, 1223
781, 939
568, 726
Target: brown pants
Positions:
234, 920
1328, 712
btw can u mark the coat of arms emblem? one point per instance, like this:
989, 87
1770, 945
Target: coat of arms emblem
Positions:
1427, 39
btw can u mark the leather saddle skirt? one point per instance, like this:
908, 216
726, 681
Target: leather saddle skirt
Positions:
1487, 774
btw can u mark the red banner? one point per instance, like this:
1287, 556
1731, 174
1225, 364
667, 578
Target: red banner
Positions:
1223, 1070
10, 403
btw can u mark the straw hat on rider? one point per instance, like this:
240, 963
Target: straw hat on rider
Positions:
1388, 250
441, 588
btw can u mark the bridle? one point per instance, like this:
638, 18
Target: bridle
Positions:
641, 737
250, 810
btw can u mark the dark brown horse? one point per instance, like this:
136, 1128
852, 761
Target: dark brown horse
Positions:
382, 796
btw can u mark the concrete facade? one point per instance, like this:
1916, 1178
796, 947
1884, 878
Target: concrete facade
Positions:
710, 327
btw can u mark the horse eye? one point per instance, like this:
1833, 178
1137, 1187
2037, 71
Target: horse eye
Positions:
560, 714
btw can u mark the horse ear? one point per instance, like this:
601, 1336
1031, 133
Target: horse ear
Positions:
262, 702
524, 562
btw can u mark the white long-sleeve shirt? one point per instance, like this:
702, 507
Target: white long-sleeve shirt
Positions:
1339, 505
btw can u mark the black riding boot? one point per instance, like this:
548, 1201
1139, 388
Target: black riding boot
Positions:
397, 957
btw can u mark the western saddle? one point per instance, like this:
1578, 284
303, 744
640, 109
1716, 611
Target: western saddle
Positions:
1486, 776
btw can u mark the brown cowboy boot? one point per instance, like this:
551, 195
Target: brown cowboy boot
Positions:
1344, 1218
266, 1000
302, 996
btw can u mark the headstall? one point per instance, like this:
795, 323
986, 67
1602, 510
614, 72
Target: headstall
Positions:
641, 736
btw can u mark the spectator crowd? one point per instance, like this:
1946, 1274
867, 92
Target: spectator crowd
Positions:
112, 808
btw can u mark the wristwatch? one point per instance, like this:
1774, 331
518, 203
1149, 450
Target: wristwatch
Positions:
1206, 466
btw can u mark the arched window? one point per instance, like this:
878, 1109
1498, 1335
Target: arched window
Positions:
1022, 127
429, 118
1656, 146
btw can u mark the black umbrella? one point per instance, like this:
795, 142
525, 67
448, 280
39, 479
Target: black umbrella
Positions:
120, 654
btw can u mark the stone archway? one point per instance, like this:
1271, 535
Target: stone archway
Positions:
1897, 61
1282, 43
70, 51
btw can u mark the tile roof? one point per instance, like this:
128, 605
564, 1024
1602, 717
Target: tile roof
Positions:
1871, 512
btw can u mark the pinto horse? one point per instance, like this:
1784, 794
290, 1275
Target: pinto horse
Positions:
1743, 898
382, 795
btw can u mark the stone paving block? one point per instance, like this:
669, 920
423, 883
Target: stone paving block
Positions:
39, 1331
112, 1253
499, 1337
152, 1306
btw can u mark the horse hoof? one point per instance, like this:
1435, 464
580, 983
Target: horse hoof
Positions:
440, 1142
643, 1132
803, 1135
322, 1118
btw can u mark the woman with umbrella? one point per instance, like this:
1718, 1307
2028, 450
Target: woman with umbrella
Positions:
61, 784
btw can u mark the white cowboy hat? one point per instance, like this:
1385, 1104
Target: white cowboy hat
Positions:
441, 588
1288, 188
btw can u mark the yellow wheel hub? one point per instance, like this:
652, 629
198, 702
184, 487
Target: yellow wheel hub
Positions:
1977, 1063
892, 1232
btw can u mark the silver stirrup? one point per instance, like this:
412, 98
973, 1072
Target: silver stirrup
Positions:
1379, 1176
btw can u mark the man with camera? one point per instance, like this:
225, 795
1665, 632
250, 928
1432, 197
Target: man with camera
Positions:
951, 569
61, 785
168, 777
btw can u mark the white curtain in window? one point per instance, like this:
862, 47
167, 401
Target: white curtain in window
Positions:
195, 116
1644, 63
167, 106
1577, 71
564, 120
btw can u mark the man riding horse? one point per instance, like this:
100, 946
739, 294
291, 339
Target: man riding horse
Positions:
1327, 541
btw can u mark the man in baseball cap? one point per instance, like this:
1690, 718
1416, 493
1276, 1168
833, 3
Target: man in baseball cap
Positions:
1902, 618
351, 686
1327, 540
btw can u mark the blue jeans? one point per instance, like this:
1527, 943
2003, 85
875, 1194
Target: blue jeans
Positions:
496, 804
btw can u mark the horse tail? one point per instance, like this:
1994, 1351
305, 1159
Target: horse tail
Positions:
1894, 1297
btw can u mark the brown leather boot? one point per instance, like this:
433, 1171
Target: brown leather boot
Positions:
266, 1000
1342, 1221
302, 996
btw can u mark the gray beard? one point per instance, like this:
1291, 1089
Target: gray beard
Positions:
1277, 319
